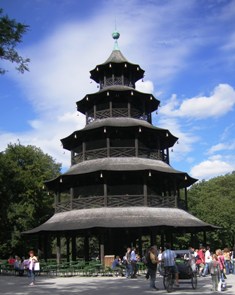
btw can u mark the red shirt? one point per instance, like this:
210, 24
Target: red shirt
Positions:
200, 256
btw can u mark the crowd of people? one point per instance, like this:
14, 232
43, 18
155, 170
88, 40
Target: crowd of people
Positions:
217, 264
21, 265
128, 265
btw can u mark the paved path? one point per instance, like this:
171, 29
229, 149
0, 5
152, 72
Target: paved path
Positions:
10, 285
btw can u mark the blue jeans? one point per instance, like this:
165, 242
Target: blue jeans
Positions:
128, 270
227, 266
31, 275
206, 269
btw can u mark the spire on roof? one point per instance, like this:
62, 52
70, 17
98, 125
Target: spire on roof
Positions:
116, 36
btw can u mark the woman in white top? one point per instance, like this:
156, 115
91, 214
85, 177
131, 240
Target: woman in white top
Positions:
31, 261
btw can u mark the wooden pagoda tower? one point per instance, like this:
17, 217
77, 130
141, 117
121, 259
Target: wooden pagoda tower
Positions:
120, 186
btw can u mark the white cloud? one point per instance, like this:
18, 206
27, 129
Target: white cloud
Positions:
221, 147
46, 134
211, 168
145, 86
220, 102
186, 140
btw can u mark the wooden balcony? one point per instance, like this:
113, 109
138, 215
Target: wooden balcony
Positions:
88, 202
119, 152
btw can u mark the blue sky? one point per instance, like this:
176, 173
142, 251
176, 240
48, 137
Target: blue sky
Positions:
187, 49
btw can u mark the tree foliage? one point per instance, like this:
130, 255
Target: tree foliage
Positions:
24, 203
213, 201
11, 33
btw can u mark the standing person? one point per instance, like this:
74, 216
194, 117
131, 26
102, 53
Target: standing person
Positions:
152, 262
133, 264
127, 262
31, 261
207, 261
159, 261
168, 257
220, 256
214, 268
200, 260
227, 259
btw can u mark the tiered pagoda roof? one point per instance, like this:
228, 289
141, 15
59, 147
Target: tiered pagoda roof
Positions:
120, 174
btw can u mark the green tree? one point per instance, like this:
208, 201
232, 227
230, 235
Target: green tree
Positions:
24, 203
11, 33
213, 201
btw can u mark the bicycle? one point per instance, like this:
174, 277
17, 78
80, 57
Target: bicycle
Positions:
168, 278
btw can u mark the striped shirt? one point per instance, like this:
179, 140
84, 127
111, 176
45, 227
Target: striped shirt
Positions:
169, 257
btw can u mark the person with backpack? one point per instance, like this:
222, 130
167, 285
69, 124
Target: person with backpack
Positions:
214, 268
152, 262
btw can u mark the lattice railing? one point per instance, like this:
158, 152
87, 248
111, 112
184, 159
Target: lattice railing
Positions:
87, 202
125, 201
117, 152
95, 154
161, 201
103, 114
122, 152
120, 112
116, 112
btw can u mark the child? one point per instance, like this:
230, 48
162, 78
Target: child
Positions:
215, 272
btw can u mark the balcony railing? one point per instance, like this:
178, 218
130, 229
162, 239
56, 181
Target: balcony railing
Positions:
116, 113
119, 152
88, 202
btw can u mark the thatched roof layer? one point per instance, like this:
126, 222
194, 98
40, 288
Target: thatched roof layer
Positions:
122, 122
121, 164
127, 217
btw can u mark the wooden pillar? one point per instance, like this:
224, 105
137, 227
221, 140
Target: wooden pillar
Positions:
150, 119
45, 248
162, 239
72, 158
74, 248
105, 192
58, 250
186, 198
145, 192
83, 151
167, 156
111, 108
86, 248
136, 147
39, 247
152, 238
68, 248
108, 146
102, 249
94, 111
71, 197
57, 200
129, 109
176, 195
